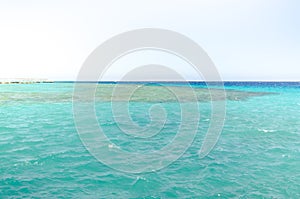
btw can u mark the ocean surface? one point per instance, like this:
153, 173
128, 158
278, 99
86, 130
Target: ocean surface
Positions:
256, 156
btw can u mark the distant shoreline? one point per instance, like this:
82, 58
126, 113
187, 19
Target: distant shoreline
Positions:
24, 81
35, 81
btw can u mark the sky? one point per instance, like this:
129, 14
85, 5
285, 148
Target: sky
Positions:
246, 39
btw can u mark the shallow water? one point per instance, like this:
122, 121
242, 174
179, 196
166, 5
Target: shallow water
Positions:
257, 155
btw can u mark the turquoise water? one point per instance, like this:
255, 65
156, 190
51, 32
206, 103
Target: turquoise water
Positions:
257, 155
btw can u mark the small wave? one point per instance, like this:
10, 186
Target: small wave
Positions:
266, 130
138, 178
111, 146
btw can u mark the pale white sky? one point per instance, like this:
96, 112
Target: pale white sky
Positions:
246, 39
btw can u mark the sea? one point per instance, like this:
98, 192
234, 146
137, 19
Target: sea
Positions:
257, 154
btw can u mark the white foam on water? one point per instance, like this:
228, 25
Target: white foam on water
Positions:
266, 130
